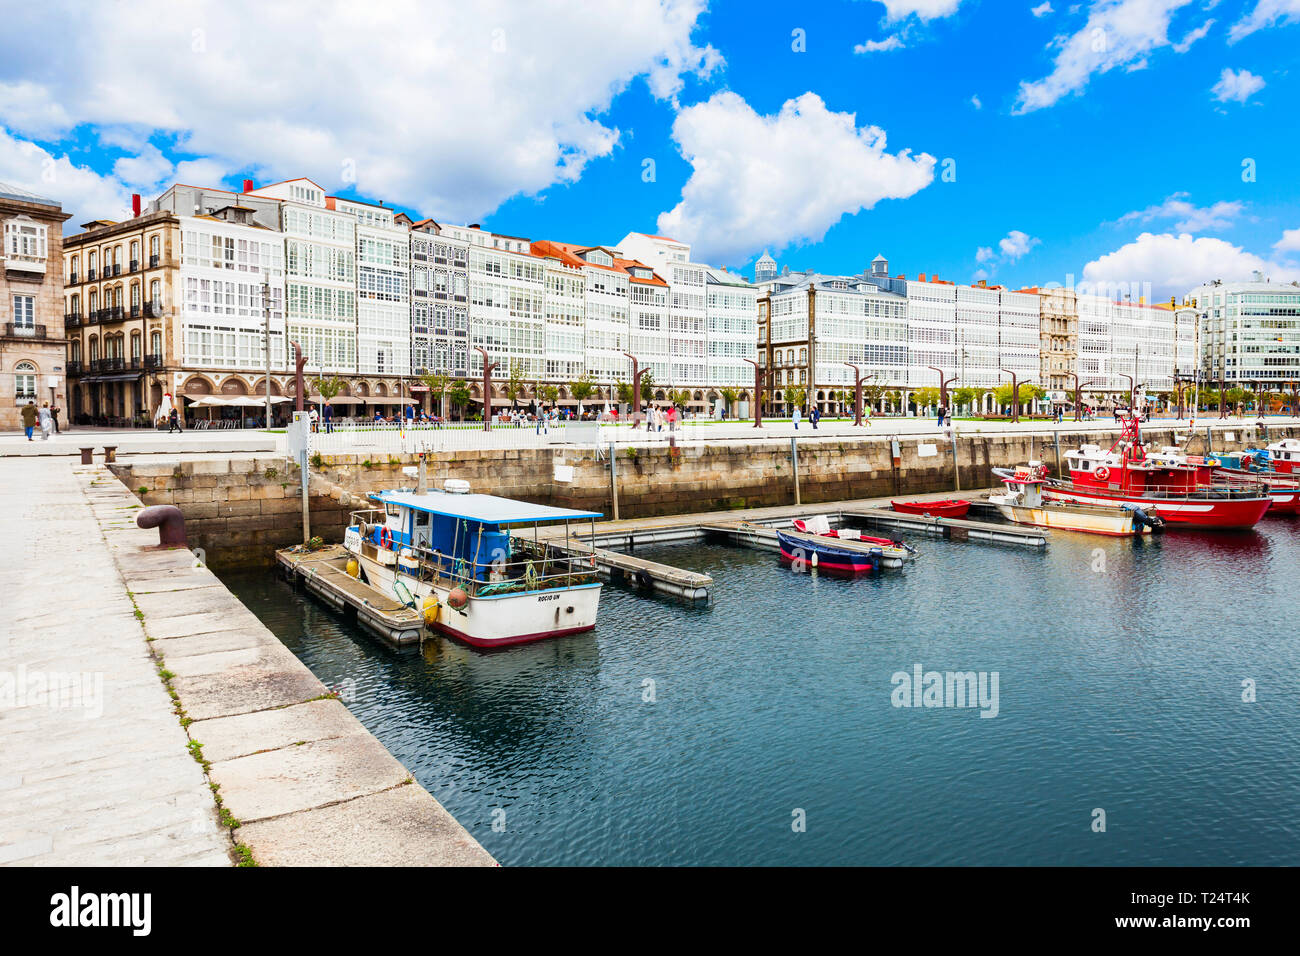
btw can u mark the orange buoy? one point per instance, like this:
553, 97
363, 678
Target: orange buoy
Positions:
457, 598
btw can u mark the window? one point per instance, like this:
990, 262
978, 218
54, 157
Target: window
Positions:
155, 294
135, 251
135, 346
25, 382
25, 239
24, 312
155, 343
155, 246
135, 296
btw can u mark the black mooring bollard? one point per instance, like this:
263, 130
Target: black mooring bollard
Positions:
170, 524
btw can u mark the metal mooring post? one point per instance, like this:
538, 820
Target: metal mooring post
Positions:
1209, 440
956, 465
1056, 440
794, 459
613, 481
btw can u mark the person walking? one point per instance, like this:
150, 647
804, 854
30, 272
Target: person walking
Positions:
942, 414
328, 415
46, 421
794, 417
174, 421
30, 415
54, 414
815, 415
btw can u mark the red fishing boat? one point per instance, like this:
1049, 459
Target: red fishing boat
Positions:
1183, 492
947, 508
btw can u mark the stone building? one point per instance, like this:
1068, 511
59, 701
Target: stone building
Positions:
32, 344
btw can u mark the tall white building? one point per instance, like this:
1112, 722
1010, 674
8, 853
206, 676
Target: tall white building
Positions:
731, 306
383, 288
320, 274
1249, 332
230, 247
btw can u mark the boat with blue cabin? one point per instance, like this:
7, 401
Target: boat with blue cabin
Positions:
465, 561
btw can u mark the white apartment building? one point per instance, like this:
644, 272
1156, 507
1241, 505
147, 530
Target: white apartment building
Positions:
383, 279
439, 300
320, 274
731, 307
227, 262
1249, 332
507, 302
810, 325
1134, 339
688, 312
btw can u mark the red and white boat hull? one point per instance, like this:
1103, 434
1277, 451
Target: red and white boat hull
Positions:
1179, 512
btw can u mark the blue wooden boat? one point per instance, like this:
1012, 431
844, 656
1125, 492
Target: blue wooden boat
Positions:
806, 551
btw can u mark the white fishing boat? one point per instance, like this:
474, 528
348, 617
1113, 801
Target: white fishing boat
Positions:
461, 559
1024, 503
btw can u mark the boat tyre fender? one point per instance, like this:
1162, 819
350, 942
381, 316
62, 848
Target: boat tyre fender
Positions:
1103, 473
645, 580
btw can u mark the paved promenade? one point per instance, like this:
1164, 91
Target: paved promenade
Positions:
107, 777
100, 775
386, 439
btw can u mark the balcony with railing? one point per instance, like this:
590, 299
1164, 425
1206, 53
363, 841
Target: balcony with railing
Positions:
74, 368
13, 330
153, 361
153, 262
90, 274
135, 265
71, 320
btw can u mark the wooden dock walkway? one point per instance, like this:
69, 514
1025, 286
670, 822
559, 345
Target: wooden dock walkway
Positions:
324, 573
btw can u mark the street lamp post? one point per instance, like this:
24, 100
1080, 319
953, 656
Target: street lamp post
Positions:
487, 387
943, 385
857, 393
266, 320
1131, 400
637, 372
1015, 395
758, 392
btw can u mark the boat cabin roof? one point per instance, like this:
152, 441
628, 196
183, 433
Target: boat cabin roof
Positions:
485, 509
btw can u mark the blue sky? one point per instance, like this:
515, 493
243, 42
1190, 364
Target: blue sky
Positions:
1102, 140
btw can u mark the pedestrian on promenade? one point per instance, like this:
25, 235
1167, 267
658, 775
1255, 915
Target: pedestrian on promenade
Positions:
314, 416
328, 415
54, 414
29, 418
174, 421
942, 414
814, 416
794, 417
47, 422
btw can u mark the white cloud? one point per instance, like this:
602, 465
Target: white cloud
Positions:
1191, 36
1290, 241
1118, 33
983, 254
975, 102
1236, 86
1190, 218
448, 108
1266, 14
893, 42
82, 191
1171, 264
1043, 9
760, 181
1017, 244
921, 9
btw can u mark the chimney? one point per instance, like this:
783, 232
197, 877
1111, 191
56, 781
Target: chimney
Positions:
921, 277
984, 283
135, 204
248, 185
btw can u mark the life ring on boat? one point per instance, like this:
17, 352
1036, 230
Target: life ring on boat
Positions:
386, 537
1103, 473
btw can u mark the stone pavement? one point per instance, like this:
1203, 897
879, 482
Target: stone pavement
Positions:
104, 778
306, 781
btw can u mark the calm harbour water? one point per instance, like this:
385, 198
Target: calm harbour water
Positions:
1119, 689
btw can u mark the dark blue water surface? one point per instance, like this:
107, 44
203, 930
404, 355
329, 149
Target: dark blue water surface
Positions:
1120, 667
